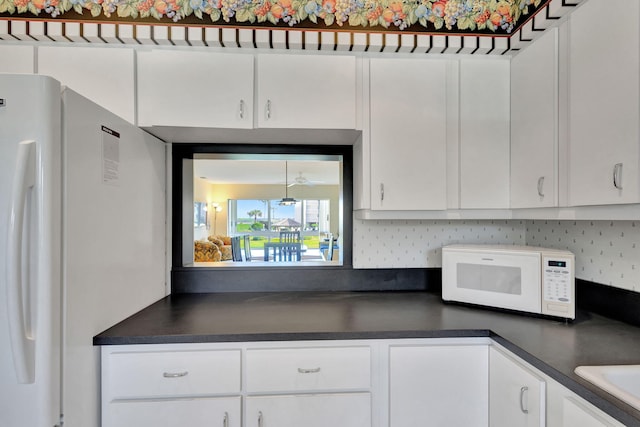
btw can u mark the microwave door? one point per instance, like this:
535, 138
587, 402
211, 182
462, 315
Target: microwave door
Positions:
510, 281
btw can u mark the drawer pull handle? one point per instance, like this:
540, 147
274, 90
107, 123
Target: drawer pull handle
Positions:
260, 420
541, 186
309, 371
617, 176
225, 420
522, 408
175, 374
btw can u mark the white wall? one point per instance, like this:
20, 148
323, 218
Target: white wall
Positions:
607, 252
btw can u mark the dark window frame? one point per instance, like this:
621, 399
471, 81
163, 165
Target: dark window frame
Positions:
181, 151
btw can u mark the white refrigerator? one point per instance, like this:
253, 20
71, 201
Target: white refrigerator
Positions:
82, 245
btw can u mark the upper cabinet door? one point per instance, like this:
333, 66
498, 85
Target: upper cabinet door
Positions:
604, 105
484, 134
105, 76
534, 125
408, 121
306, 91
195, 89
17, 59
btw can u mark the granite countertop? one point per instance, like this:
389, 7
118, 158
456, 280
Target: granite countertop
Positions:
554, 347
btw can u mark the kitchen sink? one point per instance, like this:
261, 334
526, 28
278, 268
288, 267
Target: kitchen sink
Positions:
622, 381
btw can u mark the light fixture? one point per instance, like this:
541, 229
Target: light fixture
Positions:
216, 208
286, 200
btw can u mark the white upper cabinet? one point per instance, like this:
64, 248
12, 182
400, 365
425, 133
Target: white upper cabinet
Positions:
17, 59
105, 76
484, 134
604, 105
195, 89
534, 125
408, 131
306, 91
216, 90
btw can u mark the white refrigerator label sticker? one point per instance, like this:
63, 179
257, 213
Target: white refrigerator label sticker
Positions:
110, 156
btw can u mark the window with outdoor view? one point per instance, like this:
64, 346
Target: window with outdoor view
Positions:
265, 220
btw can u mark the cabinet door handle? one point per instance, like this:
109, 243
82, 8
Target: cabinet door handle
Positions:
242, 108
175, 374
541, 186
617, 176
382, 192
260, 419
309, 371
267, 112
522, 392
225, 420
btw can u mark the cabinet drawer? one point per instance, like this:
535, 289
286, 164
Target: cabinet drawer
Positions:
172, 374
310, 410
308, 369
211, 412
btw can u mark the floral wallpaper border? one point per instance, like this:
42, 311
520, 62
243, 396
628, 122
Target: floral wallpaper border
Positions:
484, 17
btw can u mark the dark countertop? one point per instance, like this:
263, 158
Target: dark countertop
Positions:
554, 347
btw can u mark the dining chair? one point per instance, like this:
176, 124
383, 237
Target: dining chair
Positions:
247, 247
329, 256
289, 236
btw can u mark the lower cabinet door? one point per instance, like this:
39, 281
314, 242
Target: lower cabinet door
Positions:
578, 414
318, 410
200, 412
438, 385
516, 395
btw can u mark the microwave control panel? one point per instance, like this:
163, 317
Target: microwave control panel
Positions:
558, 280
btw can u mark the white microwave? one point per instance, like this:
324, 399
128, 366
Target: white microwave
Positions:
521, 278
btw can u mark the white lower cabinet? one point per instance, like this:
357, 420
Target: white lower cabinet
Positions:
309, 410
308, 386
516, 394
171, 386
567, 409
315, 369
576, 414
200, 412
452, 382
438, 385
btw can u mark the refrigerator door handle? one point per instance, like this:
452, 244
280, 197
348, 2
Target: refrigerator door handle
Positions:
22, 340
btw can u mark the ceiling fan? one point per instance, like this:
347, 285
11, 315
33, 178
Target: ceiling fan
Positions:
303, 180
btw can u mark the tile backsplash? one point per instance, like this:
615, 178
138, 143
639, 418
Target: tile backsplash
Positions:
418, 243
607, 252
